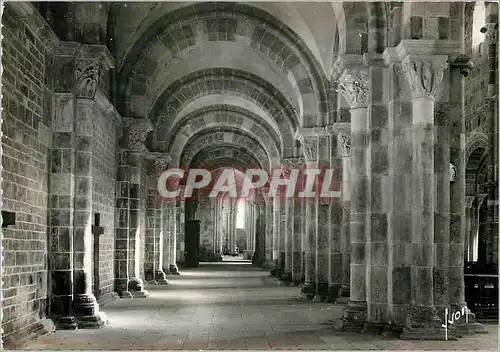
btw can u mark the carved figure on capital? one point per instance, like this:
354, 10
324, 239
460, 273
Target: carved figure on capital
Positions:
424, 76
87, 78
345, 143
138, 130
309, 147
469, 200
353, 85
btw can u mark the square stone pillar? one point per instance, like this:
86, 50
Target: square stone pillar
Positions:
73, 303
130, 231
353, 85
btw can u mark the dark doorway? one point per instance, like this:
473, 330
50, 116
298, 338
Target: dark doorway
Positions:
192, 243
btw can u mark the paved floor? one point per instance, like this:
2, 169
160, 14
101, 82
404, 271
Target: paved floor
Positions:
232, 306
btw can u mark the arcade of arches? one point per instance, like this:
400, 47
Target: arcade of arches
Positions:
398, 98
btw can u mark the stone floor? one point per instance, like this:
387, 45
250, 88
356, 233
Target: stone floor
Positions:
232, 306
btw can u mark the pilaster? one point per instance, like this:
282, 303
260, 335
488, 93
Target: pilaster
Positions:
73, 303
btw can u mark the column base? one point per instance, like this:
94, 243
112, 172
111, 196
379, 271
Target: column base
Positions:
140, 294
307, 291
161, 278
321, 292
65, 323
422, 323
86, 311
152, 282
333, 294
174, 270
95, 321
467, 325
126, 295
354, 317
136, 288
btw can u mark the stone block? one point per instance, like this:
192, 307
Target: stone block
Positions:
401, 285
61, 184
379, 253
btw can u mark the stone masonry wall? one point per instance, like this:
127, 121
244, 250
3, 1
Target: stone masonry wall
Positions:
103, 195
25, 141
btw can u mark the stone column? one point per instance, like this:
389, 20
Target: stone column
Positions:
469, 227
129, 238
424, 75
260, 237
276, 237
180, 221
459, 68
232, 226
154, 273
353, 85
342, 131
288, 225
269, 230
168, 223
491, 39
308, 138
378, 235
339, 145
298, 232
282, 221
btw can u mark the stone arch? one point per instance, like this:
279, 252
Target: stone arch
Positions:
476, 152
186, 134
222, 21
216, 116
223, 138
220, 81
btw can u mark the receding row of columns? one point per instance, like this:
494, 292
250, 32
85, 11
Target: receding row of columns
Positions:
394, 241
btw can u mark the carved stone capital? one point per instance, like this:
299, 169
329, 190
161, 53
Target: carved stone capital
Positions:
353, 85
343, 132
90, 62
469, 200
160, 161
308, 138
86, 78
138, 130
480, 200
288, 164
424, 74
